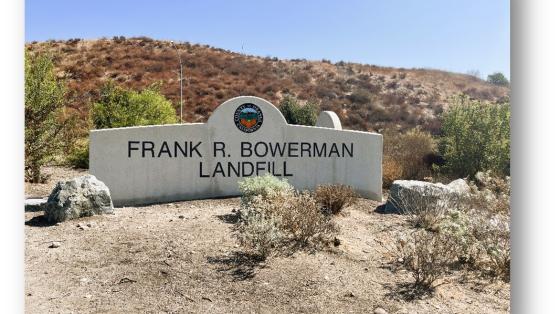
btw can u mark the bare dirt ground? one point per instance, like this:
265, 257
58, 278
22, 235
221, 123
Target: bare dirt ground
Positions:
182, 258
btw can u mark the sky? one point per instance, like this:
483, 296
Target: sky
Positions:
459, 36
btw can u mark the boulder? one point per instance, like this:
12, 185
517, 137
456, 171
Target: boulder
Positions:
35, 204
409, 189
459, 186
79, 197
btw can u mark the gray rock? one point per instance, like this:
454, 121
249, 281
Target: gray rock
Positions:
35, 204
403, 190
459, 186
380, 311
54, 245
79, 197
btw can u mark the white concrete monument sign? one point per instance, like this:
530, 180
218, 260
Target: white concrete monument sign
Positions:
245, 136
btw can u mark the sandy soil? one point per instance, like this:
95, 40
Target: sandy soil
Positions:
181, 258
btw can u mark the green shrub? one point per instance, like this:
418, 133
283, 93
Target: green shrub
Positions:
119, 107
475, 137
79, 155
333, 198
265, 187
296, 114
498, 78
44, 120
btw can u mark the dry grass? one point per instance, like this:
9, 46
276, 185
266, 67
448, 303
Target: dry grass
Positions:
147, 259
387, 96
334, 198
404, 155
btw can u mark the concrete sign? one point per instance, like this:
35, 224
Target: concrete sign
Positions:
245, 136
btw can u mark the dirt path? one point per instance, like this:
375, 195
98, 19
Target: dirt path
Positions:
181, 257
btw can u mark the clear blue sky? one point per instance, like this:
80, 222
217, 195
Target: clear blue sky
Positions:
445, 34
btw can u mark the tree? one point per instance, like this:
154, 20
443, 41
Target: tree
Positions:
44, 105
119, 107
296, 114
498, 78
476, 137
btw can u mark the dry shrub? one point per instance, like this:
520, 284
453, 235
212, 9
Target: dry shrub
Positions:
493, 238
477, 224
392, 170
282, 224
278, 220
333, 198
406, 151
428, 255
303, 221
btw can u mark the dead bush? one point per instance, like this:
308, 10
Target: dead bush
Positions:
408, 150
283, 223
494, 235
392, 170
333, 198
428, 255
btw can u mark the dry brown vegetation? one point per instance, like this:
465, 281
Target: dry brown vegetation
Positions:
366, 97
183, 257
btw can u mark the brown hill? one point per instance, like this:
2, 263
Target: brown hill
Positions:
366, 97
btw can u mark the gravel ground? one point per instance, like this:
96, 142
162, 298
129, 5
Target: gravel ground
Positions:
181, 258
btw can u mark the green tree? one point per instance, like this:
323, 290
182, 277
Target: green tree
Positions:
475, 137
296, 114
498, 78
119, 107
44, 105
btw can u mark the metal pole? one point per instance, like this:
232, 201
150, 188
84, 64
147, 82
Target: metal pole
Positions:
181, 84
180, 79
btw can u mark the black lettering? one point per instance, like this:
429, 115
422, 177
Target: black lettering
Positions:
218, 169
221, 148
200, 171
345, 149
147, 146
195, 149
261, 166
246, 146
319, 153
231, 168
306, 149
130, 148
292, 147
286, 174
334, 149
164, 149
183, 150
276, 148
263, 144
245, 173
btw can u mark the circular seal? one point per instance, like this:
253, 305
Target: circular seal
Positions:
248, 117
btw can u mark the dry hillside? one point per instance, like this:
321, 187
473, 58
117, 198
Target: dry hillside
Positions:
366, 97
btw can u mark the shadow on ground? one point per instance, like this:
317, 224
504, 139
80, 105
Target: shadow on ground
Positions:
39, 221
408, 292
240, 265
232, 218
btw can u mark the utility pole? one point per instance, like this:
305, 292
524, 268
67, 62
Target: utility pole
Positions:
180, 79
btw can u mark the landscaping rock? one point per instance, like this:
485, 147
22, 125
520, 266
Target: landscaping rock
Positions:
35, 204
380, 310
409, 189
79, 197
460, 186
